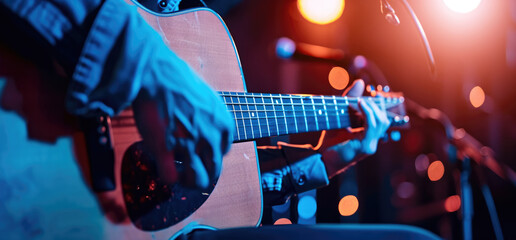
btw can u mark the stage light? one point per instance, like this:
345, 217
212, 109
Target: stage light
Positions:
395, 136
477, 96
462, 6
283, 221
422, 162
338, 77
452, 203
321, 11
359, 62
435, 171
306, 207
348, 205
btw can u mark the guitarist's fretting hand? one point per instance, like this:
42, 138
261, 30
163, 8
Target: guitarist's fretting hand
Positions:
337, 158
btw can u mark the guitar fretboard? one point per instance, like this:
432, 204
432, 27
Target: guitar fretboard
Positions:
260, 115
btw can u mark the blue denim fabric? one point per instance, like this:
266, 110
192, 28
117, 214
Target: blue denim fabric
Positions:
117, 59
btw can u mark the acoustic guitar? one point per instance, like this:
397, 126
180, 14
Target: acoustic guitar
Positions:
129, 201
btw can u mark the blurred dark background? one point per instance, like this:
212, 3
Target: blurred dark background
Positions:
474, 49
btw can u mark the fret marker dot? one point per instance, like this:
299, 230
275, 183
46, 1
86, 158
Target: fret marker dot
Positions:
342, 111
320, 112
252, 114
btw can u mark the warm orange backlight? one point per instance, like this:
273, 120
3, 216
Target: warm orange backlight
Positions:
452, 203
321, 11
338, 77
477, 96
348, 205
283, 221
435, 171
462, 6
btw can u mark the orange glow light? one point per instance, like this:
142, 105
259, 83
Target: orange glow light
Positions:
321, 11
283, 221
452, 203
338, 77
435, 171
462, 6
477, 96
348, 205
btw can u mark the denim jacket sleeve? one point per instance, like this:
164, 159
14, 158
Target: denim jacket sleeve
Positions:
115, 60
107, 44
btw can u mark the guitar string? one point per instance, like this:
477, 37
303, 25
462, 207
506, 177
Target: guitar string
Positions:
316, 97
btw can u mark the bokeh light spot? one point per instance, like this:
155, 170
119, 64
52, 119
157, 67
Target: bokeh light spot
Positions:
283, 221
452, 203
405, 189
321, 11
422, 162
477, 96
348, 205
395, 136
435, 171
462, 6
359, 62
338, 77
306, 207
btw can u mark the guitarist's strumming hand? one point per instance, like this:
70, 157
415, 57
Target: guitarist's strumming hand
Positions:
184, 123
339, 157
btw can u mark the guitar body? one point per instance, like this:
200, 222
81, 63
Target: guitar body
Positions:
46, 189
201, 38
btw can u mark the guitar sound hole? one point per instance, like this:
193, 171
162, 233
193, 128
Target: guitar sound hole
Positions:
152, 204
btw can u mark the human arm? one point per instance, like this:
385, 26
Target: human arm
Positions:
339, 157
113, 60
289, 169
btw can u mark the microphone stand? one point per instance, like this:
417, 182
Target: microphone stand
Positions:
467, 149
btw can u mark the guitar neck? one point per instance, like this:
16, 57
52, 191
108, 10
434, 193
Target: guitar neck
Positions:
259, 115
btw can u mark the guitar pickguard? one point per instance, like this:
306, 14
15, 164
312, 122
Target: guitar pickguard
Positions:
151, 204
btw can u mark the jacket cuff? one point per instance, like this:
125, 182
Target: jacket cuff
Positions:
104, 32
307, 169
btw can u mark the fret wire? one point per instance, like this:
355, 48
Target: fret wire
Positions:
249, 124
245, 132
277, 110
304, 114
330, 115
336, 111
255, 112
326, 114
347, 99
291, 124
266, 118
293, 111
283, 109
316, 104
275, 117
316, 120
250, 121
236, 121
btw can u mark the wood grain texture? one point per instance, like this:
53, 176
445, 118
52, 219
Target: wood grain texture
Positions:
202, 40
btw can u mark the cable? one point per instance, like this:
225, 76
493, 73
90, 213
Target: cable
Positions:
422, 34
